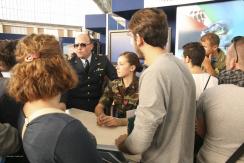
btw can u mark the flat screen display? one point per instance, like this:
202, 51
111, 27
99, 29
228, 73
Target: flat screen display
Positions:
120, 41
223, 18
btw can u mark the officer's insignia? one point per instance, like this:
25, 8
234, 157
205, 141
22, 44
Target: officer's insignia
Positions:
99, 69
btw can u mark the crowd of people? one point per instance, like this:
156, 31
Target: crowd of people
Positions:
183, 111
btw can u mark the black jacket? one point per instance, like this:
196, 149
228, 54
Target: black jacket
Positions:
86, 95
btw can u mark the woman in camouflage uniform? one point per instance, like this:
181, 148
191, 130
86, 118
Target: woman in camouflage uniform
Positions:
121, 95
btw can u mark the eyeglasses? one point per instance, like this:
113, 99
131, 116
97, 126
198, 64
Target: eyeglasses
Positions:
234, 41
82, 45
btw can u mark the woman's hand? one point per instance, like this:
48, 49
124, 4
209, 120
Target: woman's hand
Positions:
108, 121
100, 119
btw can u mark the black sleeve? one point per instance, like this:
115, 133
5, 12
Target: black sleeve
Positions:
110, 70
9, 139
76, 145
3, 82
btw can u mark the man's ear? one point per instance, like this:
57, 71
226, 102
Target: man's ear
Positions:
92, 45
132, 68
215, 47
187, 59
139, 40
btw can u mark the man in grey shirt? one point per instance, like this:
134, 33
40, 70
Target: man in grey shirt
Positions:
165, 117
220, 110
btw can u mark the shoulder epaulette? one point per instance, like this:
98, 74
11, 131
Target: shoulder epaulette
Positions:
100, 55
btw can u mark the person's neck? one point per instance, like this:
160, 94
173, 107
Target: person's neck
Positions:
86, 57
33, 106
215, 53
152, 53
128, 80
239, 66
196, 70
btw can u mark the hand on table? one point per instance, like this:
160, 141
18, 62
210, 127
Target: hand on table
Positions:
120, 141
100, 119
109, 121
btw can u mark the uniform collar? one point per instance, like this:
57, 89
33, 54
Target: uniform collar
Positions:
84, 60
133, 84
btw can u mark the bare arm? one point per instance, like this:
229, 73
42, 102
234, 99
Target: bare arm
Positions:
113, 121
208, 67
120, 143
99, 112
99, 109
109, 121
200, 118
200, 127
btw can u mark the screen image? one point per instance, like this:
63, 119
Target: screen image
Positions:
224, 19
120, 41
68, 48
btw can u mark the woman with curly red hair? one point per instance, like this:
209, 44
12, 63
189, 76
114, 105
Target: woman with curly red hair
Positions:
49, 135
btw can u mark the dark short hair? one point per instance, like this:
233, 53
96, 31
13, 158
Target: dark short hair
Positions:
7, 53
151, 25
195, 51
133, 59
212, 38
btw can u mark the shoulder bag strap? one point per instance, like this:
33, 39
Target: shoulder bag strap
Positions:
207, 82
236, 155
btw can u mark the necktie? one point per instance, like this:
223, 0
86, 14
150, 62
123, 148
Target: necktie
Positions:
87, 66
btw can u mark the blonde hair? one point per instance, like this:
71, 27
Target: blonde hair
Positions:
47, 75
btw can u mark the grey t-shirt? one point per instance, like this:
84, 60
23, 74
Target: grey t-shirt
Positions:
165, 116
222, 109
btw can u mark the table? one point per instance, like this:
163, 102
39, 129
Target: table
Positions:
105, 135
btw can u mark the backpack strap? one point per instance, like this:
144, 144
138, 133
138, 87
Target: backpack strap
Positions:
207, 83
236, 155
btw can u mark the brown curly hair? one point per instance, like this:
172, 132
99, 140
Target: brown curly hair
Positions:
46, 75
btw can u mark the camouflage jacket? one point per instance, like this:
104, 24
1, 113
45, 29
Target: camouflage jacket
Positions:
220, 62
119, 98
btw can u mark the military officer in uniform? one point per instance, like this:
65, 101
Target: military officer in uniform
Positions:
92, 70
